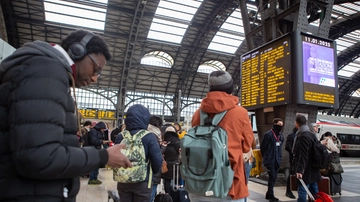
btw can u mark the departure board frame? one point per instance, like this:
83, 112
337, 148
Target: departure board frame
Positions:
297, 68
316, 71
266, 74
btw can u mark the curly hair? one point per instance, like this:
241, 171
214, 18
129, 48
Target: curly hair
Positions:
96, 45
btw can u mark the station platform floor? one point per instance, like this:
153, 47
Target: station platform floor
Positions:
98, 193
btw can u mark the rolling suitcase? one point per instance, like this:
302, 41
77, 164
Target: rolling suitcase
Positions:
319, 197
177, 192
323, 184
335, 183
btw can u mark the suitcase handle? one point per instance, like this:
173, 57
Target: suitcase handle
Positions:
175, 184
307, 190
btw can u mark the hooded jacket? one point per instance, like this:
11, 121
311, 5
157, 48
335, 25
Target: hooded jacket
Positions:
137, 118
39, 149
96, 135
240, 135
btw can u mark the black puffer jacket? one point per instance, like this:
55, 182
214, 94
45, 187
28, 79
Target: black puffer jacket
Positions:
96, 135
171, 153
39, 149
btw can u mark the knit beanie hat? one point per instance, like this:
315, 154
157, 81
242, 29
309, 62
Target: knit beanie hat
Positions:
221, 81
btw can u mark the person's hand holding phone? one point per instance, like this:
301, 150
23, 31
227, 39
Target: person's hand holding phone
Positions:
116, 158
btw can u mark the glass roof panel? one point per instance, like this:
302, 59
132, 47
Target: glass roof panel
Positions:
343, 10
158, 58
171, 19
344, 43
92, 15
230, 34
345, 73
210, 66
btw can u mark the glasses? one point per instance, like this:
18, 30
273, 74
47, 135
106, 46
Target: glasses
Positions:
97, 71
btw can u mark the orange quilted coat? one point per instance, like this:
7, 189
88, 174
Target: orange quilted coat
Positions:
240, 135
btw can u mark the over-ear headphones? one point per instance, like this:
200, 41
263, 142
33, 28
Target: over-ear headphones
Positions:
77, 50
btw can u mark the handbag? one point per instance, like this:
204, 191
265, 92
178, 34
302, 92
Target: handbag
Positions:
336, 168
164, 167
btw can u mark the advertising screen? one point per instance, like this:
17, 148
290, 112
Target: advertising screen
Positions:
319, 71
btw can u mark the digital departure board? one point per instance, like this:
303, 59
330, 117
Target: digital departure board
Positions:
319, 71
265, 75
296, 68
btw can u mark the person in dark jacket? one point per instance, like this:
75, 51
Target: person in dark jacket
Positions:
171, 155
288, 147
154, 126
96, 140
137, 118
40, 155
303, 142
271, 152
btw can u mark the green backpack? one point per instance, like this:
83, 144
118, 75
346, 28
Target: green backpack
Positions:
205, 162
134, 150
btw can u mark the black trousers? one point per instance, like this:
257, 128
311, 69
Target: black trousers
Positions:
272, 172
134, 192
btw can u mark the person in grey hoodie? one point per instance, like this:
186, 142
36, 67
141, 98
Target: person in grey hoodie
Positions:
40, 157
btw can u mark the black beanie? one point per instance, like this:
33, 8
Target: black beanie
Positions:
221, 81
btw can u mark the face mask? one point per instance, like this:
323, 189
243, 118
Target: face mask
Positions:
277, 128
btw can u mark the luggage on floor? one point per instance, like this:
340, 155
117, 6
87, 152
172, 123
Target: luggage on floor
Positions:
113, 195
335, 183
178, 192
319, 197
163, 198
323, 184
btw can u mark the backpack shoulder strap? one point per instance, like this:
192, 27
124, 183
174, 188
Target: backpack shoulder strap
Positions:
215, 121
203, 116
218, 117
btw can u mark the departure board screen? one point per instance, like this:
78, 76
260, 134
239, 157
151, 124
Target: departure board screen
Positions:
319, 71
265, 75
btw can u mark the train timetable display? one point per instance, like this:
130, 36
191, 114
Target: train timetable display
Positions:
265, 75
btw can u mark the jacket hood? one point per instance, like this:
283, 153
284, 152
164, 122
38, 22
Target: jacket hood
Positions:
137, 118
32, 49
217, 101
100, 125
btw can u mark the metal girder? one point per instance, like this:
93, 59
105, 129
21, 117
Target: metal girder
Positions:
139, 11
11, 26
202, 39
348, 55
344, 26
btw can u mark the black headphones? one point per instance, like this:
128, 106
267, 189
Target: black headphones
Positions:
77, 50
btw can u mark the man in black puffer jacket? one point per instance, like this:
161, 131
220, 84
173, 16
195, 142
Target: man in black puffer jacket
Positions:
40, 157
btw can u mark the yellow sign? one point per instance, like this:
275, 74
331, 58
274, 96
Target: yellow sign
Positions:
98, 114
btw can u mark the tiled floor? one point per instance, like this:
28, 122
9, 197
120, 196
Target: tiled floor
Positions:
98, 193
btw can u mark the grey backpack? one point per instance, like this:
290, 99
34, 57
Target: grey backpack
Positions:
205, 161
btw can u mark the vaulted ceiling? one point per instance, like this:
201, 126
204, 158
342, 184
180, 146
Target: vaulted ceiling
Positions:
127, 24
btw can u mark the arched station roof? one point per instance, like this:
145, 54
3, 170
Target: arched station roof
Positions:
189, 33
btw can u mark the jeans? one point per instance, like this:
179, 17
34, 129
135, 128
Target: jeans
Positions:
94, 174
197, 198
153, 192
313, 188
248, 167
272, 172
